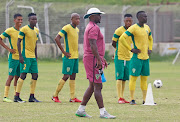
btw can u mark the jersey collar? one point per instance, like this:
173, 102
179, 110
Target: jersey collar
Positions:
15, 28
140, 26
30, 27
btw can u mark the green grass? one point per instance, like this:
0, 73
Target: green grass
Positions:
166, 97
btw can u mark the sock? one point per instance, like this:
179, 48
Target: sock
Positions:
144, 86
59, 87
33, 86
19, 85
81, 108
6, 91
119, 88
132, 86
15, 90
123, 87
102, 110
72, 86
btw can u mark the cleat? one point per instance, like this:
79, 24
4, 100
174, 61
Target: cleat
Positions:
33, 99
82, 114
5, 99
18, 99
106, 115
121, 101
75, 100
125, 100
56, 99
132, 102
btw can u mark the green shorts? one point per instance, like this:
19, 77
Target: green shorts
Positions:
139, 67
29, 66
70, 66
121, 69
14, 67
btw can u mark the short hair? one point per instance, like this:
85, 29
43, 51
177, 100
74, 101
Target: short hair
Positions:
128, 15
31, 14
139, 12
17, 15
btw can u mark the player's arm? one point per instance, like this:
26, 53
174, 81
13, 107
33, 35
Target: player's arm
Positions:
58, 42
123, 39
36, 51
21, 59
6, 47
150, 43
94, 49
115, 38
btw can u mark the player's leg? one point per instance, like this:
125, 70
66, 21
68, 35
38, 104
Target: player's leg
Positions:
119, 73
17, 75
19, 87
144, 75
144, 86
87, 95
99, 100
34, 72
7, 87
72, 83
125, 78
135, 71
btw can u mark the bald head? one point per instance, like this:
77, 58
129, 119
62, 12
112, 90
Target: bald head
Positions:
75, 19
74, 15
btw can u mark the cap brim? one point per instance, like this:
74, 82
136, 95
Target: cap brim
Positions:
88, 15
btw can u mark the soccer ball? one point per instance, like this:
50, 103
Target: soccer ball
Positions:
158, 83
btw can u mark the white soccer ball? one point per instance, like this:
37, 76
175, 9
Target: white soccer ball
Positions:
158, 83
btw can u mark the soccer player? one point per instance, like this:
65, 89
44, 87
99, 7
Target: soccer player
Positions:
13, 60
139, 64
28, 57
93, 59
122, 58
70, 57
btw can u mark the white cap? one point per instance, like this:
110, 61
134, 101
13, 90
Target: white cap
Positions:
92, 11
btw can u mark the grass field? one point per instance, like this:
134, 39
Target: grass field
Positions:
167, 97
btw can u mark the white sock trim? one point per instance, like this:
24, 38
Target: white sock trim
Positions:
81, 108
102, 110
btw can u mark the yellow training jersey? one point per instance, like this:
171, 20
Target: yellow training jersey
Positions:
142, 39
12, 34
70, 35
121, 51
29, 36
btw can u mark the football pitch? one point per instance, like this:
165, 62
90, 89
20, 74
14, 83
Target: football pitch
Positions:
167, 97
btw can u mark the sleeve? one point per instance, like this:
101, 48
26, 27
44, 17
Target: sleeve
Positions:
116, 35
22, 33
37, 33
123, 40
150, 40
63, 32
5, 34
130, 31
93, 33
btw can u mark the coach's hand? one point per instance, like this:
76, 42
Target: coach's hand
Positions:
149, 52
136, 51
106, 64
21, 60
99, 64
67, 54
12, 51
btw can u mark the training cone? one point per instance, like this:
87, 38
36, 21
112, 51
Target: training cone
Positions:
149, 96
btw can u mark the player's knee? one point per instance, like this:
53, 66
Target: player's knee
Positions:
23, 76
65, 77
34, 76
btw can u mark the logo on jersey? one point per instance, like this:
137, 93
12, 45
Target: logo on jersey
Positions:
133, 70
97, 76
68, 69
10, 70
147, 32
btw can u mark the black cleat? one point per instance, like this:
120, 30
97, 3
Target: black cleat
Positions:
132, 102
18, 99
33, 99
